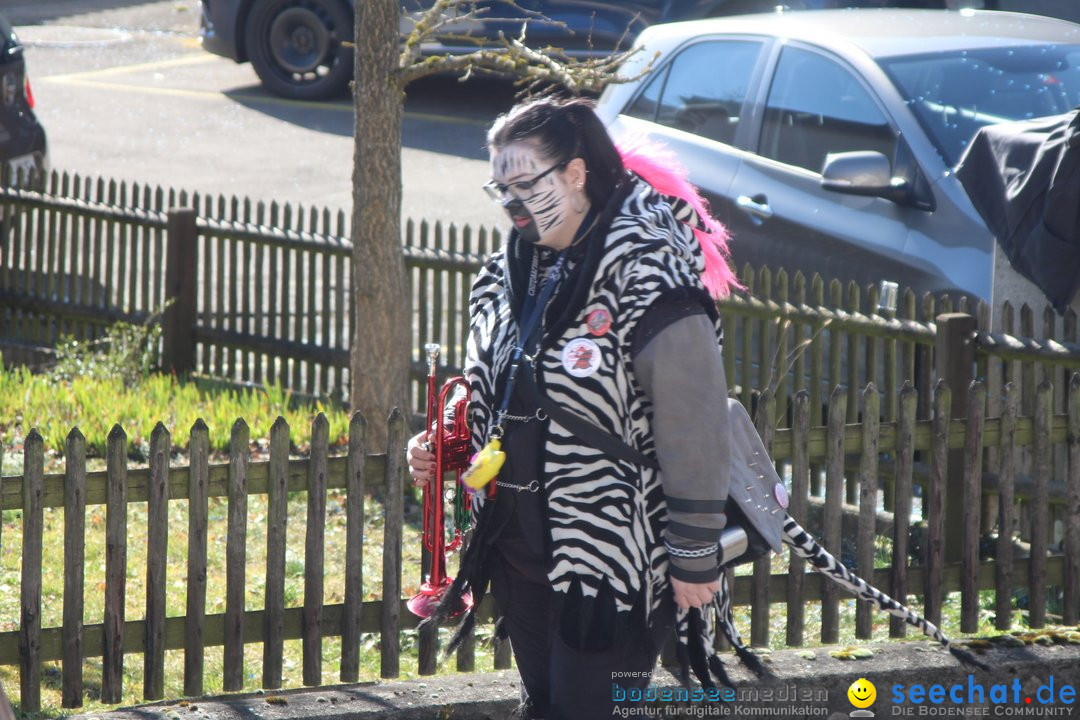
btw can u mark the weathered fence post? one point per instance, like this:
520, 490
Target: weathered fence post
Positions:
759, 584
907, 409
800, 481
276, 515
74, 573
236, 557
868, 492
33, 526
1040, 512
1010, 402
112, 663
198, 520
314, 554
178, 323
354, 540
390, 622
972, 493
157, 544
934, 501
1070, 611
833, 516
954, 360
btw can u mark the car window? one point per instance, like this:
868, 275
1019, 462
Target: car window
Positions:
816, 107
702, 90
954, 94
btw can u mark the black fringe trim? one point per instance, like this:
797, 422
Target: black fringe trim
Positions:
697, 652
472, 577
593, 623
682, 655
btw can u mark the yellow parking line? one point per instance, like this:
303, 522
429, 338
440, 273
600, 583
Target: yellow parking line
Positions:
84, 80
191, 59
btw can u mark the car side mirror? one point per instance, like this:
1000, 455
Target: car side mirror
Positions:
866, 173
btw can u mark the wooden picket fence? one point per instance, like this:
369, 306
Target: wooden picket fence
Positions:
798, 449
120, 487
263, 295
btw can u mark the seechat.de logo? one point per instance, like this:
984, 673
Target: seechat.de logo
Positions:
1005, 699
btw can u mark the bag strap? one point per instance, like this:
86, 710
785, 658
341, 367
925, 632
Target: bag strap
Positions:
586, 430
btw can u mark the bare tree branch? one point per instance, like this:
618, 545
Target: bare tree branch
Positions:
431, 21
530, 67
447, 13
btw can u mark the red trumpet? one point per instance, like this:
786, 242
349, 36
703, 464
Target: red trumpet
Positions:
452, 445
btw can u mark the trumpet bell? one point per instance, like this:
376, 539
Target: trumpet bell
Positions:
424, 603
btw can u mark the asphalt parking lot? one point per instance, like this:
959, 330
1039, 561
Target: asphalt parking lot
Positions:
126, 92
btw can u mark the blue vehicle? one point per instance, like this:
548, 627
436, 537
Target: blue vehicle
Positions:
300, 50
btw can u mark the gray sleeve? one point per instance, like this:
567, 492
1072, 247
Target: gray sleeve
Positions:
682, 373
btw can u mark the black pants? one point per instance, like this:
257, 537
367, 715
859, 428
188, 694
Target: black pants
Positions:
559, 682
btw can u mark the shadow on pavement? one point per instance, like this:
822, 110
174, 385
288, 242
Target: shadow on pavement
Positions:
442, 115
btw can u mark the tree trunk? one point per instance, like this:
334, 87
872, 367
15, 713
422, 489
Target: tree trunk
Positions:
380, 345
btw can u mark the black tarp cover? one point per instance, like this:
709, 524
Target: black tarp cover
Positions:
1024, 179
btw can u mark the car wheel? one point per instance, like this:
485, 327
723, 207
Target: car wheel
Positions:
299, 47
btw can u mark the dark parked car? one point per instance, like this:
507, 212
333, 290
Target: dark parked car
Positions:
299, 47
22, 138
826, 140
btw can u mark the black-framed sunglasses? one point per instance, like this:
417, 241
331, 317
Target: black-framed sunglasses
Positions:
521, 190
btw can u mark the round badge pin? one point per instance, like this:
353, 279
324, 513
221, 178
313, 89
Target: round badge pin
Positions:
581, 357
780, 493
598, 322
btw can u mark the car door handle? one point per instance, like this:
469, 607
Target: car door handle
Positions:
756, 207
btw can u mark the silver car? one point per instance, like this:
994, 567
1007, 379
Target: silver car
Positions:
825, 140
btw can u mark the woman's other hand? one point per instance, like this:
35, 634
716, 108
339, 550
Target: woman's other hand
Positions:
420, 458
688, 595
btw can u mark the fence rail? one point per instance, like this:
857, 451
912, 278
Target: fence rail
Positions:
1053, 561
266, 296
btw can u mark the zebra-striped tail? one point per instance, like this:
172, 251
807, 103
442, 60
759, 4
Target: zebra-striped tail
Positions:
806, 547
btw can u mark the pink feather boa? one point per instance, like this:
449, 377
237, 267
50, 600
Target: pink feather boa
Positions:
657, 165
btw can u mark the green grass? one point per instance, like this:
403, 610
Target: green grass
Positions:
95, 405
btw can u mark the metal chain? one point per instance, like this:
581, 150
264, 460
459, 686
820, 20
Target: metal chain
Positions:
532, 487
538, 415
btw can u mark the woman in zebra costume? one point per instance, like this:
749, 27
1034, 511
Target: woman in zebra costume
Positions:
590, 551
594, 359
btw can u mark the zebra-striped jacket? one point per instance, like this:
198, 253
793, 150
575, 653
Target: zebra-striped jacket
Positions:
605, 517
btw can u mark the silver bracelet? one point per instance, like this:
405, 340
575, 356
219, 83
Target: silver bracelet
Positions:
679, 552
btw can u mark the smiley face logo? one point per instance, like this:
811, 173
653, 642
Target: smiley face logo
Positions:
862, 693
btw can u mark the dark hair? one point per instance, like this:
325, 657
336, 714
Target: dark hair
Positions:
564, 130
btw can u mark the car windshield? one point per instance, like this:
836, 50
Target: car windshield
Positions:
954, 94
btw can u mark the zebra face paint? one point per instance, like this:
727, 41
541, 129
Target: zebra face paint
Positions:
536, 194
